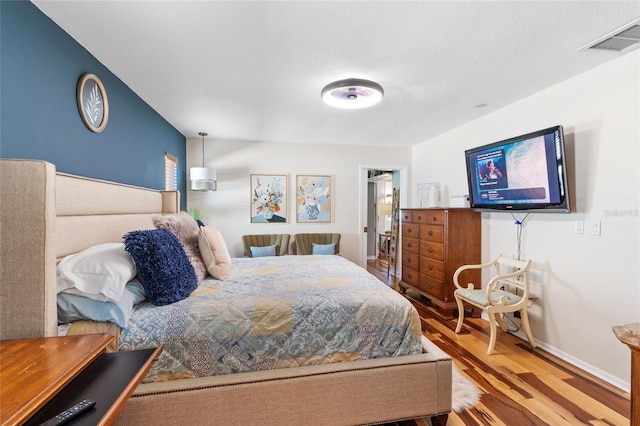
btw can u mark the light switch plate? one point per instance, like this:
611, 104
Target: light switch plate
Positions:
578, 227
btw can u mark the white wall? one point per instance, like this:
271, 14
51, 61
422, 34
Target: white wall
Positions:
586, 284
229, 207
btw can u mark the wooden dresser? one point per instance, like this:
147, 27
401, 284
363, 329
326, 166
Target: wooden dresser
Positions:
435, 242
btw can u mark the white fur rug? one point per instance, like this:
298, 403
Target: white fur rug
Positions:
464, 393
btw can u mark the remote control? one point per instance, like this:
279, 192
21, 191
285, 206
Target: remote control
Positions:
70, 413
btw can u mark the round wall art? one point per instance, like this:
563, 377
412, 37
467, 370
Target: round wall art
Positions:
93, 104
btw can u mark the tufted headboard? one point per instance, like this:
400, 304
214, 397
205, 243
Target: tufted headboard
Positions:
45, 216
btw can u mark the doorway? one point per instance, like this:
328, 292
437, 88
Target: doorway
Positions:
365, 204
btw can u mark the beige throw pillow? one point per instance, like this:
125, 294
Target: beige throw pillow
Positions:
214, 252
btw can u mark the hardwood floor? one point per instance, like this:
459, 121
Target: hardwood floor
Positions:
519, 385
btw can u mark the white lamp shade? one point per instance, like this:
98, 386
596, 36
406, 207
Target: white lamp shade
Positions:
202, 173
203, 179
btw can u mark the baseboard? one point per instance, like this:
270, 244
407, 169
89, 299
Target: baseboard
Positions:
603, 375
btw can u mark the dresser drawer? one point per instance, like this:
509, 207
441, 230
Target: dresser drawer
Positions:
411, 245
432, 250
411, 260
420, 217
434, 217
411, 230
433, 233
432, 286
411, 276
431, 267
406, 217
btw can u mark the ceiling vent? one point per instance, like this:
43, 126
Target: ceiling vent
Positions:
622, 39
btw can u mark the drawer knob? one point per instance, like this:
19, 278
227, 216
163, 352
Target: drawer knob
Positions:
430, 285
430, 267
419, 218
409, 245
430, 250
409, 260
433, 218
409, 231
430, 233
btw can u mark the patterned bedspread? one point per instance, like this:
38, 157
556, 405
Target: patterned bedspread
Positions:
276, 312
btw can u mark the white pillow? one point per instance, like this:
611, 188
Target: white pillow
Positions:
99, 272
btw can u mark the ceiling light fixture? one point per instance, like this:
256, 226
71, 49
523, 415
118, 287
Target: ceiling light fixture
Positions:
352, 93
203, 179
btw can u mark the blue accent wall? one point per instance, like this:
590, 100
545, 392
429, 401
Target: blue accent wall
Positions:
40, 66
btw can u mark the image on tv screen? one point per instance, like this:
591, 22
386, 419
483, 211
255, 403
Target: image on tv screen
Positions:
516, 172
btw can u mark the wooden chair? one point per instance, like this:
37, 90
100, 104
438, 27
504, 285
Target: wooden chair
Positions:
281, 241
304, 242
507, 291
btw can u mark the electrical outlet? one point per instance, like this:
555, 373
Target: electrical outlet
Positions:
595, 228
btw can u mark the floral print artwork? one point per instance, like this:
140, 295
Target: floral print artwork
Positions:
313, 202
268, 198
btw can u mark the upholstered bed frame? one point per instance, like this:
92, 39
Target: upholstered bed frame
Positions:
45, 216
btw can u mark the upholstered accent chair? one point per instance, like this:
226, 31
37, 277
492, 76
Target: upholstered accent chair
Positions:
304, 242
507, 291
281, 241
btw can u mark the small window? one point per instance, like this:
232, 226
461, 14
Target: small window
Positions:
170, 172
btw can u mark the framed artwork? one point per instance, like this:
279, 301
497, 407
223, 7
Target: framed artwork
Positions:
313, 198
429, 194
93, 104
268, 198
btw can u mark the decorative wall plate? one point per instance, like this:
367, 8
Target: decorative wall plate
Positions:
93, 104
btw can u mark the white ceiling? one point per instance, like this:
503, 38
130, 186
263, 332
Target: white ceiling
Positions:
253, 70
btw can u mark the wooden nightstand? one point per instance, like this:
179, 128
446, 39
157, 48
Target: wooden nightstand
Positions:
42, 377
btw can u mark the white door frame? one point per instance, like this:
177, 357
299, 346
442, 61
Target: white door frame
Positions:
363, 170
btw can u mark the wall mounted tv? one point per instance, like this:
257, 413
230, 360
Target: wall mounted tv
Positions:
523, 173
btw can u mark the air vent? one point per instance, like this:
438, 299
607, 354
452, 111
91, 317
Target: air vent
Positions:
622, 39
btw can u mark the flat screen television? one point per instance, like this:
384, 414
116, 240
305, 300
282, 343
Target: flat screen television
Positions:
523, 173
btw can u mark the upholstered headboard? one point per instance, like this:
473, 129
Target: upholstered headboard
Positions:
45, 216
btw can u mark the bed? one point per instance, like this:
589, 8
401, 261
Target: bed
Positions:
61, 215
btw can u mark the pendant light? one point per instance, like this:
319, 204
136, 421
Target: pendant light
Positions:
203, 179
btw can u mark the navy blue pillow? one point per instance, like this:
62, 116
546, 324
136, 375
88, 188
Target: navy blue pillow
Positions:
163, 266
